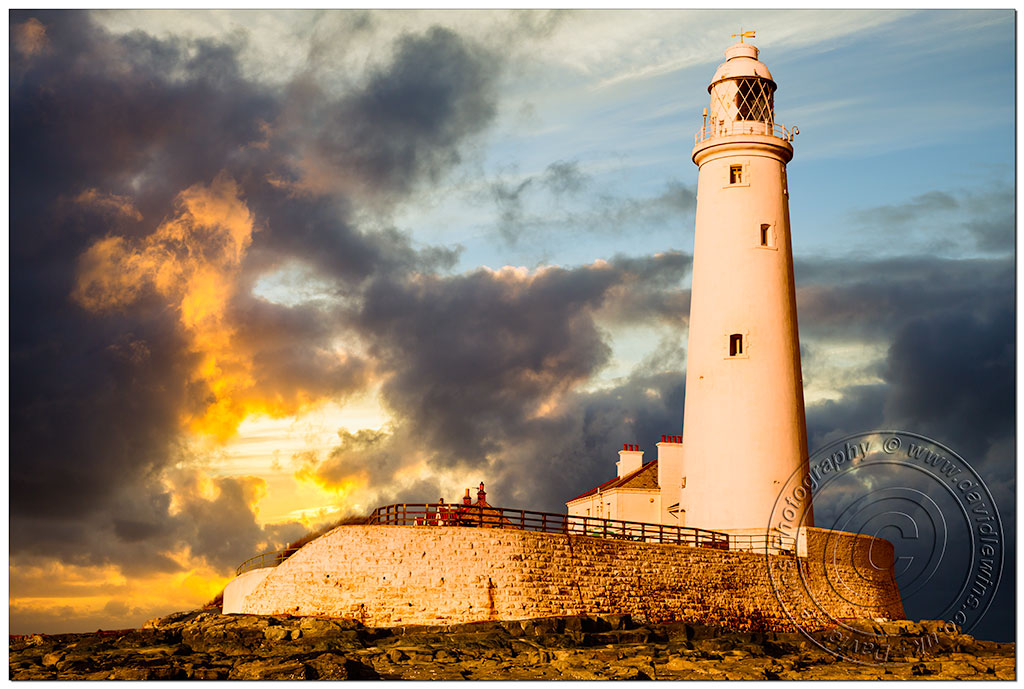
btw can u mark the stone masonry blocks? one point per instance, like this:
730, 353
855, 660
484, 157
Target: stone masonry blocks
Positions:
397, 575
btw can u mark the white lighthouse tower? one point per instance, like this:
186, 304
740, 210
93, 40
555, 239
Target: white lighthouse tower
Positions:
744, 433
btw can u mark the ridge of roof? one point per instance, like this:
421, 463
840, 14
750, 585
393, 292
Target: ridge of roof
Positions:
635, 476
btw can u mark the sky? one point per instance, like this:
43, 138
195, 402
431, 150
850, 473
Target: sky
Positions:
270, 268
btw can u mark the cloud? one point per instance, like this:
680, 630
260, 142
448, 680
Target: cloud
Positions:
29, 37
192, 262
950, 223
508, 198
402, 127
870, 299
946, 370
563, 197
146, 205
923, 204
565, 177
948, 356
481, 370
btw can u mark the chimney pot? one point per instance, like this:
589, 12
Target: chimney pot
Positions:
625, 447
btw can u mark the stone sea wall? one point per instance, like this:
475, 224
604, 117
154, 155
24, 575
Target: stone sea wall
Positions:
388, 576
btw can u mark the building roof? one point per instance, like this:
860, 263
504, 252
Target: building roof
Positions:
644, 478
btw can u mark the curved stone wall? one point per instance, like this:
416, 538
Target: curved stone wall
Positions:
239, 588
393, 575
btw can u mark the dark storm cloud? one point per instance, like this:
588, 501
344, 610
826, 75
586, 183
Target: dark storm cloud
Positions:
105, 132
947, 374
293, 350
948, 326
474, 353
952, 375
479, 367
871, 298
404, 126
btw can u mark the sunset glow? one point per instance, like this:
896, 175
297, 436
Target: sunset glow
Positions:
269, 269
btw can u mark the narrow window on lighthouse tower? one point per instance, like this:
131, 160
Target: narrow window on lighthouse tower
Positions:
735, 344
767, 240
735, 174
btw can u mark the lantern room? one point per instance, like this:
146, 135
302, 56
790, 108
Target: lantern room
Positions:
742, 97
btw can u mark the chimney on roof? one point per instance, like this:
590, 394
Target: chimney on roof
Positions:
631, 458
466, 500
481, 495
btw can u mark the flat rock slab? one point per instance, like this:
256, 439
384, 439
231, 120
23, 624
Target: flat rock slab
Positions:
208, 645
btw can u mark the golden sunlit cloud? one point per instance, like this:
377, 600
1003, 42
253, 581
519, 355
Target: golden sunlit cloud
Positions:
189, 486
30, 37
120, 205
342, 488
193, 260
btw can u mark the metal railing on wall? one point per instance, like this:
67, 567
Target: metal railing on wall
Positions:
265, 560
768, 544
441, 514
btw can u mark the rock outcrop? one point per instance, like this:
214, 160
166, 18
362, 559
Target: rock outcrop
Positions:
209, 645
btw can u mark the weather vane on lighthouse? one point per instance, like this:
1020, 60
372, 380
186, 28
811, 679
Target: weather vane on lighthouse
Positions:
743, 34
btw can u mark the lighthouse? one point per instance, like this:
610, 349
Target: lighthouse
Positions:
744, 432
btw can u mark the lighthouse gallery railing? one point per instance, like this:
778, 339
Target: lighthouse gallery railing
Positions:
713, 130
441, 514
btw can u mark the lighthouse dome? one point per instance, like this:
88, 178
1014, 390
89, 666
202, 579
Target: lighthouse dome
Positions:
742, 98
741, 61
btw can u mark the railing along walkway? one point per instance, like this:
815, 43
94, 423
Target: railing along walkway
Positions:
265, 560
441, 514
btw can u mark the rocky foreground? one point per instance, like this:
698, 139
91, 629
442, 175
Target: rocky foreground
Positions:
208, 645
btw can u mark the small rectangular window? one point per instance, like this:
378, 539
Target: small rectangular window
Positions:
735, 174
766, 235
735, 345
